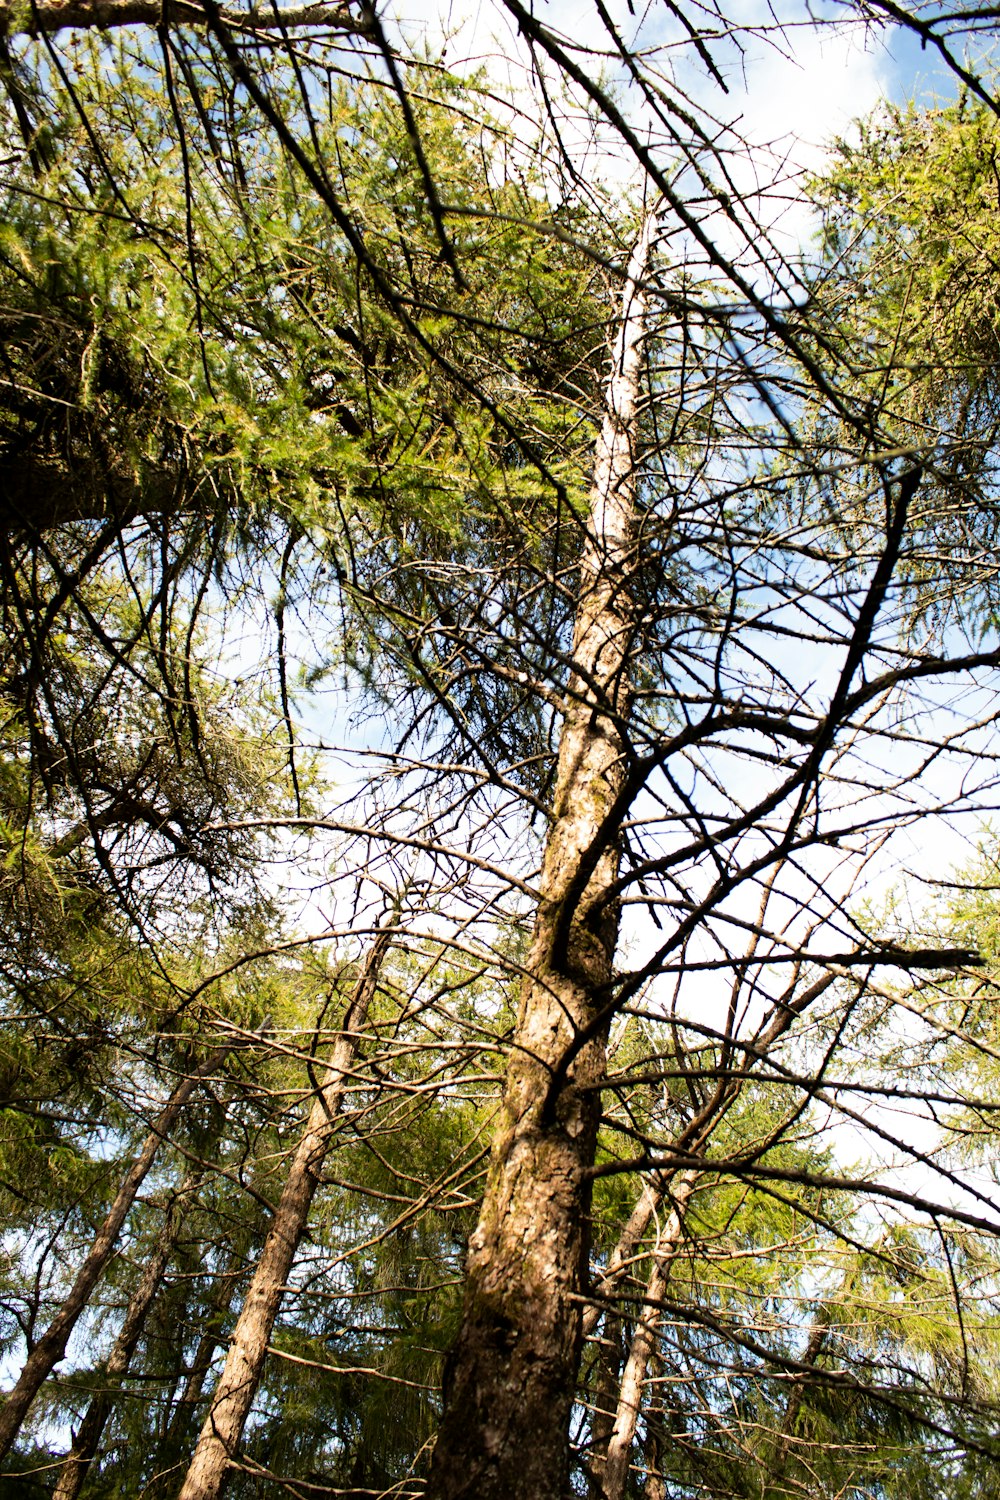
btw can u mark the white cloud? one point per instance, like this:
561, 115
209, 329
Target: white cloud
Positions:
800, 101
792, 88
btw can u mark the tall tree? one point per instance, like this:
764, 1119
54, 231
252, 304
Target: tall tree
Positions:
86, 1439
49, 1348
237, 1385
682, 628
510, 1380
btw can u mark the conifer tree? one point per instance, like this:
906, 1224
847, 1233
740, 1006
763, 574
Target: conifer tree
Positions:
661, 593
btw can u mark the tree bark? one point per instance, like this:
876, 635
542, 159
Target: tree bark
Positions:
510, 1378
655, 1487
37, 495
87, 1439
616, 1463
51, 1347
692, 1139
606, 1387
233, 1396
102, 14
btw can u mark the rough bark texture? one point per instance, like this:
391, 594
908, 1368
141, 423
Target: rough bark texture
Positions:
511, 1376
616, 1463
83, 14
51, 1347
86, 1440
37, 495
233, 1396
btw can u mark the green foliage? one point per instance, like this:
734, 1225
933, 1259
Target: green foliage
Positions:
908, 296
205, 374
912, 206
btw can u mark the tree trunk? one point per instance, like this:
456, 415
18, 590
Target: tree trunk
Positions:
648, 1202
610, 1353
182, 1416
233, 1396
786, 1443
51, 1347
179, 1422
616, 1463
511, 1376
655, 1487
692, 1139
87, 1439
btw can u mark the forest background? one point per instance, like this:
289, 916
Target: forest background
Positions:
499, 583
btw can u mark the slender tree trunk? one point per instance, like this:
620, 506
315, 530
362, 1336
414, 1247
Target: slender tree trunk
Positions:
648, 1202
616, 1463
233, 1396
211, 1338
611, 1353
814, 1348
511, 1375
51, 1347
655, 1487
606, 1387
784, 1449
87, 1439
691, 1140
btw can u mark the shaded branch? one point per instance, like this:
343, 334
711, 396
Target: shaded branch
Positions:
16, 19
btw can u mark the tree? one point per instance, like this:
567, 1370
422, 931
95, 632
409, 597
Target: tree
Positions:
237, 1386
513, 1369
666, 642
86, 1439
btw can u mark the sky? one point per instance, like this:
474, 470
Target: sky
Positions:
788, 97
789, 93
